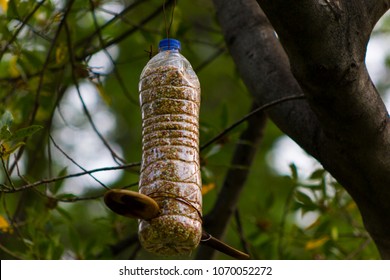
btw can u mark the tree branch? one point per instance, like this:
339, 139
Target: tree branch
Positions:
7, 189
126, 34
345, 125
217, 220
376, 9
327, 58
265, 69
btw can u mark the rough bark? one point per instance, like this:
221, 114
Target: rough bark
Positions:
343, 123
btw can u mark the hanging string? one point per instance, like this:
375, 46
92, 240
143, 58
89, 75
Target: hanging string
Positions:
168, 25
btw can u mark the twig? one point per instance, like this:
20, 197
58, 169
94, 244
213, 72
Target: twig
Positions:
47, 60
249, 115
217, 220
9, 252
44, 67
240, 228
88, 39
86, 111
59, 178
74, 162
115, 70
137, 248
125, 34
210, 59
7, 174
286, 209
358, 250
24, 22
214, 243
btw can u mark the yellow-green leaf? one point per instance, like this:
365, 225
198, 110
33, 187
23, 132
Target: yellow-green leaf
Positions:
316, 243
208, 187
6, 149
5, 226
334, 233
106, 98
61, 53
4, 5
24, 132
13, 66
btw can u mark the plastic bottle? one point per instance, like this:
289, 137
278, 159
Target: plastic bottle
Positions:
170, 171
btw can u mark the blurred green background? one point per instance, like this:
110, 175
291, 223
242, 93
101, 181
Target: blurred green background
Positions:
69, 74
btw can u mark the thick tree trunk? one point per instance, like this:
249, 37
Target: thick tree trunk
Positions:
343, 123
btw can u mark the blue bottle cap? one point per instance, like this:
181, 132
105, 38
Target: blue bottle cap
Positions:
169, 44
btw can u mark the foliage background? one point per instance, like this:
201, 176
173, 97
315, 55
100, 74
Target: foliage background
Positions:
69, 74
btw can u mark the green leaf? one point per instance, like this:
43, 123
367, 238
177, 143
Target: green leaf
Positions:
317, 174
57, 185
6, 119
303, 198
270, 201
207, 175
304, 207
6, 149
24, 132
294, 172
66, 196
74, 238
214, 150
13, 148
12, 11
64, 213
312, 186
224, 116
5, 133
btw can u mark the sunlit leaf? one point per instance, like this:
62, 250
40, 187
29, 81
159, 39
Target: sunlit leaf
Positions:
207, 188
316, 243
334, 233
8, 150
5, 226
4, 5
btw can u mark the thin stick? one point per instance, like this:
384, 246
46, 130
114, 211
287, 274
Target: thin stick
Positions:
8, 176
244, 244
85, 109
125, 34
24, 22
51, 180
44, 68
247, 116
75, 163
210, 241
115, 68
121, 15
168, 26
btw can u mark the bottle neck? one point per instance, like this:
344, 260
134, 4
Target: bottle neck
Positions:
169, 50
169, 45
